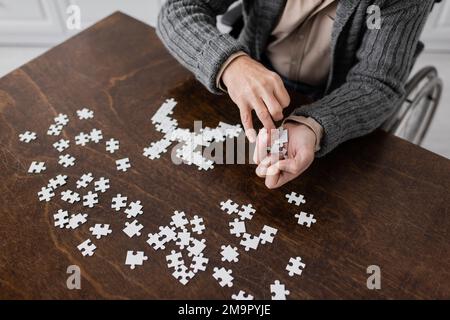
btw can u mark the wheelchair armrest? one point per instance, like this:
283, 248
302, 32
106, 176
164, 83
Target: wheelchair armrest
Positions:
232, 16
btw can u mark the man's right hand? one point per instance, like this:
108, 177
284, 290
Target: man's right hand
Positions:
253, 87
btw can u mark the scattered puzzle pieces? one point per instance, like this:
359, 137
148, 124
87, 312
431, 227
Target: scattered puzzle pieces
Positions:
229, 253
133, 229
118, 202
305, 219
123, 164
295, 266
27, 136
66, 160
242, 296
84, 180
87, 248
295, 198
135, 258
85, 114
100, 230
90, 199
229, 206
112, 145
223, 276
36, 167
61, 145
278, 291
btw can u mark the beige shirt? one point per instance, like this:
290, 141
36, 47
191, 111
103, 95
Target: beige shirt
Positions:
299, 48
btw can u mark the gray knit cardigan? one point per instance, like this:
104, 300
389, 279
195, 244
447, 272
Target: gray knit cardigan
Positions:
369, 67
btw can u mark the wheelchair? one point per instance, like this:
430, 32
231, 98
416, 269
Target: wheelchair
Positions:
412, 117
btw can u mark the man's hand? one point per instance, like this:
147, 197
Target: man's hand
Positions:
300, 155
253, 87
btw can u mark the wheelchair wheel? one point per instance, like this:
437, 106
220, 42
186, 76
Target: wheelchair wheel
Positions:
413, 117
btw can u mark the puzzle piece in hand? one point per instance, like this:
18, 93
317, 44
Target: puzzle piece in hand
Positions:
278, 291
249, 242
279, 141
58, 181
229, 253
183, 274
112, 145
101, 185
179, 219
100, 230
242, 296
118, 202
87, 248
85, 113
134, 209
133, 229
183, 239
135, 258
62, 119
61, 145
66, 160
237, 227
61, 218
199, 263
96, 135
267, 234
46, 194
295, 266
77, 220
154, 241
305, 219
36, 167
123, 164
27, 136
223, 276
84, 180
82, 139
197, 224
295, 198
246, 212
70, 196
174, 259
229, 206
90, 199
54, 130
196, 247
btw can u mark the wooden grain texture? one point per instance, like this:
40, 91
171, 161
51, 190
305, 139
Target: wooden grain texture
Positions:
378, 200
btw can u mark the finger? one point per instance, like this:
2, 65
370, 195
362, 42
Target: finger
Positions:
274, 107
281, 94
272, 176
263, 114
261, 146
283, 178
247, 123
263, 166
290, 165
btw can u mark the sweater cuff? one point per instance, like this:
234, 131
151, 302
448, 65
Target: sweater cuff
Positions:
328, 120
213, 55
219, 83
311, 124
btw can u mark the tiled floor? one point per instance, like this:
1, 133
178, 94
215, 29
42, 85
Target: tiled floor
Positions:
438, 137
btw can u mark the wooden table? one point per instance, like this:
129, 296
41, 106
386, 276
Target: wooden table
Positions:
377, 200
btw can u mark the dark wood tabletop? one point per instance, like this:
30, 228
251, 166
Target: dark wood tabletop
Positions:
378, 200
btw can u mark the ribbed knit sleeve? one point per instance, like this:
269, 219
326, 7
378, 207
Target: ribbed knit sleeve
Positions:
188, 30
375, 84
